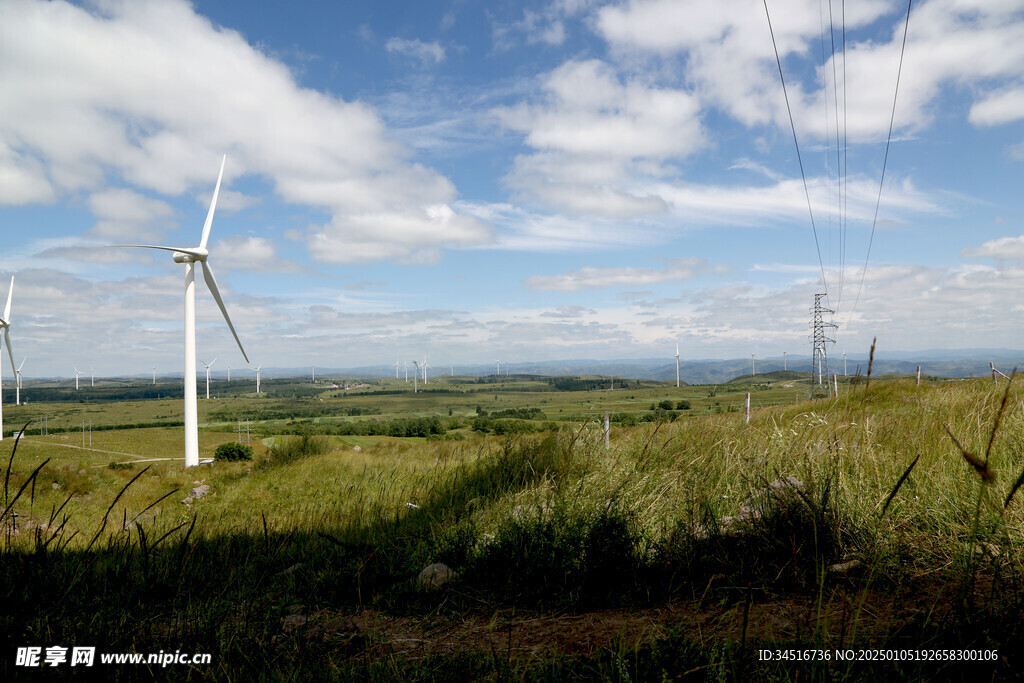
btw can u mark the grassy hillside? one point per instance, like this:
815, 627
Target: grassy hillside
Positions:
302, 563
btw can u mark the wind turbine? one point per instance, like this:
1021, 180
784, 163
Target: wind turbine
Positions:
17, 385
406, 366
257, 370
5, 328
208, 374
77, 373
752, 370
497, 365
190, 256
154, 375
425, 366
415, 373
229, 373
92, 377
397, 365
451, 367
314, 373
677, 366
784, 360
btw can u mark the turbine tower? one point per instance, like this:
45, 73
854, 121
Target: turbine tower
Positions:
92, 377
415, 375
397, 365
77, 373
425, 366
208, 365
189, 256
154, 375
17, 386
677, 366
497, 364
257, 371
314, 373
5, 328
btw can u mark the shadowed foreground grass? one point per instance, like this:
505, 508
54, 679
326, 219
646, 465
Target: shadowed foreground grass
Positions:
911, 488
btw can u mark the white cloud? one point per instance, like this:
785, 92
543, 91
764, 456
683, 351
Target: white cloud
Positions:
256, 254
127, 216
594, 135
1001, 249
727, 53
428, 53
592, 277
998, 108
149, 92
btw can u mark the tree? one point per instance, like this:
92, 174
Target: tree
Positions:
233, 451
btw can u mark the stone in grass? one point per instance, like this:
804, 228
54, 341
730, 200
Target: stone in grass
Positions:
200, 491
435, 576
782, 494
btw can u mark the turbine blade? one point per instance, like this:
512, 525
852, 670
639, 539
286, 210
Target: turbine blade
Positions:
10, 351
7, 308
22, 363
211, 282
213, 206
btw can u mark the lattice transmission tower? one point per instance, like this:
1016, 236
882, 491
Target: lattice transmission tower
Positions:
819, 357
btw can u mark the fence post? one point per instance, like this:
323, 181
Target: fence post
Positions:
607, 430
748, 408
918, 375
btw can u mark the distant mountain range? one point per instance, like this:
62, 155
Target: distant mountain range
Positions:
938, 362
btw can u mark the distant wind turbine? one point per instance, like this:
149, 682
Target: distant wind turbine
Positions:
190, 256
154, 375
425, 366
406, 366
92, 377
314, 373
415, 374
451, 368
208, 366
17, 385
77, 373
397, 365
677, 365
257, 371
5, 328
497, 364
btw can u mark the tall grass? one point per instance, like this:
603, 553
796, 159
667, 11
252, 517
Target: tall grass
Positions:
552, 521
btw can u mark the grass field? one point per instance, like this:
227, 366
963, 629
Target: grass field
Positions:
574, 559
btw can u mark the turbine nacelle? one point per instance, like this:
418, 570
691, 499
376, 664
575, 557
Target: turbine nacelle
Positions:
194, 255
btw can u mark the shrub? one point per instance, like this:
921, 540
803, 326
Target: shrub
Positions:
683, 405
297, 448
233, 451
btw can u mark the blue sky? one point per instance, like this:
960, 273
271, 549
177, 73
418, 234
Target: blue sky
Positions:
471, 180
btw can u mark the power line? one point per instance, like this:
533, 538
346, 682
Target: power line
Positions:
885, 159
799, 159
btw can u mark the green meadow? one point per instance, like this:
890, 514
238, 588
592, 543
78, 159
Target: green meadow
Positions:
662, 553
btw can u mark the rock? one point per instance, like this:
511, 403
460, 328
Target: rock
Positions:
845, 568
55, 486
199, 491
781, 494
292, 622
434, 576
356, 449
290, 570
989, 549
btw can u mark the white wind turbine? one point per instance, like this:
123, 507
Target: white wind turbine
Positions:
451, 368
497, 365
154, 375
208, 365
77, 373
17, 385
397, 365
406, 366
190, 256
677, 365
5, 328
425, 366
415, 374
92, 377
257, 371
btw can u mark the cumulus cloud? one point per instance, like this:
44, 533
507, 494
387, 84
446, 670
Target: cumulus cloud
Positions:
594, 134
127, 216
427, 53
150, 92
727, 53
1001, 249
592, 277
